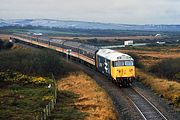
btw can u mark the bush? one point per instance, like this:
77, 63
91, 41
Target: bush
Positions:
47, 98
167, 68
5, 44
1, 44
176, 100
31, 62
136, 58
177, 75
41, 81
18, 79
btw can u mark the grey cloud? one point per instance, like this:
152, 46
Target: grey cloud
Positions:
115, 11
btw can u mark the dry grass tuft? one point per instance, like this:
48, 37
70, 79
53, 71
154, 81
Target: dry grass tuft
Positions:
169, 89
92, 100
4, 37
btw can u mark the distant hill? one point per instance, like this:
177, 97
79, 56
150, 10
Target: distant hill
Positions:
85, 25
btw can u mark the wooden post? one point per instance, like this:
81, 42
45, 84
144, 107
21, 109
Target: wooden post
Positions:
55, 88
44, 114
47, 112
49, 108
41, 116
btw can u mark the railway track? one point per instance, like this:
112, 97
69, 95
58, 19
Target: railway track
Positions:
146, 109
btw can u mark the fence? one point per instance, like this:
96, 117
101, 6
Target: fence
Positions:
43, 113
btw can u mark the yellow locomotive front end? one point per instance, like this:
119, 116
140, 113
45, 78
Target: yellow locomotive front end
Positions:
123, 71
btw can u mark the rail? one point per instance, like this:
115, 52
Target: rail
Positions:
147, 110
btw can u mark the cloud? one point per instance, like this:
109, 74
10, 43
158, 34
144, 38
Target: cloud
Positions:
114, 11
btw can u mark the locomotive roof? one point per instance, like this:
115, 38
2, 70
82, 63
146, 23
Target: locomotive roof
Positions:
88, 48
113, 55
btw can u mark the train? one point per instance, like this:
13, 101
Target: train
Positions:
117, 66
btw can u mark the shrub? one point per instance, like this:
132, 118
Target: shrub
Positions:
5, 44
136, 60
41, 81
32, 62
15, 87
177, 76
47, 98
176, 100
1, 44
167, 68
17, 79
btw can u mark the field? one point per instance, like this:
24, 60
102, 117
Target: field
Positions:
23, 96
107, 38
22, 101
4, 37
152, 56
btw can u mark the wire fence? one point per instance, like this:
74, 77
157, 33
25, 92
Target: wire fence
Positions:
43, 113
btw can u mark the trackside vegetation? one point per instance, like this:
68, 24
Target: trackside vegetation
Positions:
31, 62
22, 96
168, 68
161, 74
25, 77
165, 88
5, 45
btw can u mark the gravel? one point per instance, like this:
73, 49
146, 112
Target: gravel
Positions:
162, 104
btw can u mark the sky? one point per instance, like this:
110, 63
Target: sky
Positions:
105, 11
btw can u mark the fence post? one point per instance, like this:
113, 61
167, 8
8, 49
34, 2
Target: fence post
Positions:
52, 105
47, 112
49, 108
44, 114
41, 115
55, 88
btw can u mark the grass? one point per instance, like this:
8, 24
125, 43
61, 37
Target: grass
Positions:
4, 37
168, 89
20, 100
65, 109
150, 56
90, 101
21, 97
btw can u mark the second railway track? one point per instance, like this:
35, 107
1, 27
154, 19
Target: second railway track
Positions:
146, 109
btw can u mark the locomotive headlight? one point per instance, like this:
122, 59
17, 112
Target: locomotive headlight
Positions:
119, 71
131, 70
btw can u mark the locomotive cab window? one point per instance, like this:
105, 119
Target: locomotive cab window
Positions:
118, 63
129, 63
123, 63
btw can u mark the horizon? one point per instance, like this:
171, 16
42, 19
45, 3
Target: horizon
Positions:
83, 21
137, 12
